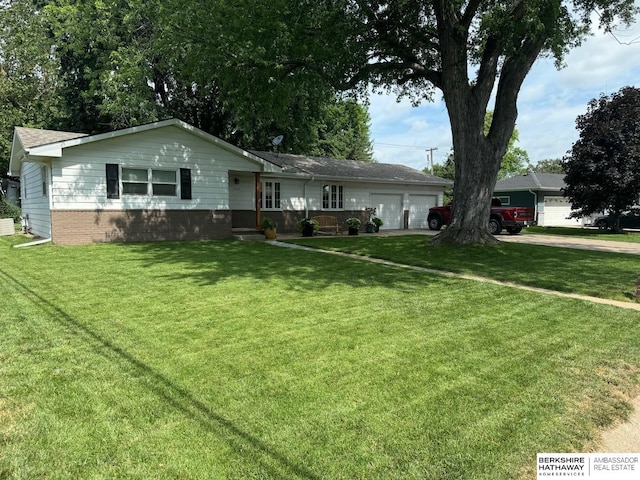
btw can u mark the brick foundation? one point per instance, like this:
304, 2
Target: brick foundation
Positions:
74, 227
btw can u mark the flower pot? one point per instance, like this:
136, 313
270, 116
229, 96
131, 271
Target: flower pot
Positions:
270, 233
353, 231
370, 228
307, 230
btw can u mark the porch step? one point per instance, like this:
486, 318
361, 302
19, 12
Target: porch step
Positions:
247, 234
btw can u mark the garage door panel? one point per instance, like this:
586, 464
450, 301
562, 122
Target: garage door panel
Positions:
419, 206
556, 213
388, 209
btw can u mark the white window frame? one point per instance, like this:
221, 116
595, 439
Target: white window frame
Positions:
150, 182
332, 196
271, 195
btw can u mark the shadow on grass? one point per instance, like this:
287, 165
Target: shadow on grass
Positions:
598, 274
179, 398
211, 262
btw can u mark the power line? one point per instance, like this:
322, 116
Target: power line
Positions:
416, 147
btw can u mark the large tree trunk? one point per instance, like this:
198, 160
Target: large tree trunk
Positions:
477, 165
477, 156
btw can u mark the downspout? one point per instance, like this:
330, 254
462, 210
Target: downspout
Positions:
306, 200
535, 205
31, 244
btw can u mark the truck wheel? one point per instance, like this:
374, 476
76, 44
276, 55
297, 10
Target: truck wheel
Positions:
494, 226
602, 225
514, 230
434, 222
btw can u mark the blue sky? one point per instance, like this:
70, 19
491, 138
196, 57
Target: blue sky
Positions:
549, 102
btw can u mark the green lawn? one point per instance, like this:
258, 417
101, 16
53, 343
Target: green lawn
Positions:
606, 275
229, 359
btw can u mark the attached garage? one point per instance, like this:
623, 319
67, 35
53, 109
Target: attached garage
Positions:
419, 206
389, 210
556, 213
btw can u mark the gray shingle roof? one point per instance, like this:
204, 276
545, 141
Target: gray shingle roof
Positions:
533, 181
349, 169
34, 137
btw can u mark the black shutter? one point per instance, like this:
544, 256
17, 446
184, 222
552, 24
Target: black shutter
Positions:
185, 184
113, 184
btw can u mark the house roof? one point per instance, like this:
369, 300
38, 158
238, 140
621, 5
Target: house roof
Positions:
34, 137
533, 181
39, 145
323, 167
42, 144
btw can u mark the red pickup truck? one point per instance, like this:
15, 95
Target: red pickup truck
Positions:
513, 219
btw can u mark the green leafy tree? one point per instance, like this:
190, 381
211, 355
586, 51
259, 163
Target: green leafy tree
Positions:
550, 165
343, 132
262, 95
448, 171
27, 73
113, 64
603, 167
472, 51
516, 160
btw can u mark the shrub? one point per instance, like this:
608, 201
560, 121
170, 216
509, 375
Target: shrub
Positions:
9, 210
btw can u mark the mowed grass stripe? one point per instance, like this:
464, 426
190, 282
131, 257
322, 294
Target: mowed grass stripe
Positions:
235, 360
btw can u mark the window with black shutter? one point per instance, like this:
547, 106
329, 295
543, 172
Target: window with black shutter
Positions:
113, 184
185, 184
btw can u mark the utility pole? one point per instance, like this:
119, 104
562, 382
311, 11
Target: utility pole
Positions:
431, 150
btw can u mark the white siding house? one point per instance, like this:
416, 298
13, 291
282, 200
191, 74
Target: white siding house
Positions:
171, 181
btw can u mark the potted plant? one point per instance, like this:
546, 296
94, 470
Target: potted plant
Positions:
373, 224
269, 227
354, 225
308, 227
369, 227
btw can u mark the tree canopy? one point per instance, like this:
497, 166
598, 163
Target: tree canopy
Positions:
603, 166
472, 51
95, 66
549, 165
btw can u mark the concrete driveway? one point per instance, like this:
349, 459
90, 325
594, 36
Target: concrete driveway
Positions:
572, 242
608, 245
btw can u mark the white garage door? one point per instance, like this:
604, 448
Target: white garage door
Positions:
389, 209
419, 206
556, 213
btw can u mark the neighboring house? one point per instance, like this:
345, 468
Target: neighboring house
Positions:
543, 191
171, 181
10, 190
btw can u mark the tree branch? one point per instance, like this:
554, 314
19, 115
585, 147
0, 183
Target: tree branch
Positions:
469, 13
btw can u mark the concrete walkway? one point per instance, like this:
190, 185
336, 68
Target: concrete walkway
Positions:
621, 438
548, 240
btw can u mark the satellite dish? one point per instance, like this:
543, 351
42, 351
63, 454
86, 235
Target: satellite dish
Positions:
275, 141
